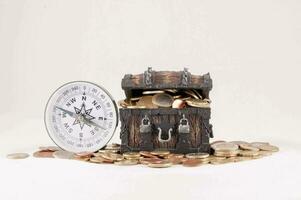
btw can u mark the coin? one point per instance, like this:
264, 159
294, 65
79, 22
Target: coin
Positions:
147, 154
191, 163
50, 148
43, 154
225, 146
175, 160
248, 147
248, 153
218, 162
197, 93
131, 155
258, 144
17, 155
83, 154
162, 100
97, 160
178, 103
197, 155
112, 156
163, 164
160, 153
147, 102
153, 92
239, 142
191, 93
269, 148
226, 153
197, 103
123, 103
63, 154
175, 155
146, 161
135, 98
265, 153
126, 162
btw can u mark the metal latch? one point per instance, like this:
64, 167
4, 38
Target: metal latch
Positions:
145, 126
160, 135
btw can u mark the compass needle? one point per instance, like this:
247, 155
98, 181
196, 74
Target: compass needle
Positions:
72, 113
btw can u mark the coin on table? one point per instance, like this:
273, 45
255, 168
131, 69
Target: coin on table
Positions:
191, 163
240, 142
147, 102
160, 153
219, 162
162, 100
147, 154
216, 142
248, 153
175, 160
50, 148
43, 154
83, 154
269, 148
152, 92
248, 147
17, 155
175, 155
226, 146
258, 144
112, 156
97, 160
265, 153
197, 155
226, 153
146, 161
126, 162
63, 154
198, 103
131, 155
163, 164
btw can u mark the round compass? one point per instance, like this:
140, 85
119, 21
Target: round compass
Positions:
81, 116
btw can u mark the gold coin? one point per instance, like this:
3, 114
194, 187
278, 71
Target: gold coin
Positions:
131, 155
152, 92
269, 148
146, 161
265, 153
219, 162
126, 162
248, 147
17, 155
163, 164
162, 100
226, 153
147, 102
258, 144
97, 160
248, 153
197, 155
173, 91
135, 98
175, 155
198, 103
147, 154
225, 146
160, 153
197, 93
112, 156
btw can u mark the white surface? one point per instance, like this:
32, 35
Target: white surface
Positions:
251, 48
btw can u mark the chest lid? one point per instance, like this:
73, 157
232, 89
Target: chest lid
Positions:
133, 85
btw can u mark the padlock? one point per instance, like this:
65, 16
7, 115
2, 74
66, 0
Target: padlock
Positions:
145, 126
184, 125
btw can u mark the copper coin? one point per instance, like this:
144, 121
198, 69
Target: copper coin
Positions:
161, 153
147, 154
146, 161
50, 148
191, 163
43, 154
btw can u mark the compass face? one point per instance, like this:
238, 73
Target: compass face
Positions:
81, 116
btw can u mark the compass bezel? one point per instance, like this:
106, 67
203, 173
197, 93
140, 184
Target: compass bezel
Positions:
115, 109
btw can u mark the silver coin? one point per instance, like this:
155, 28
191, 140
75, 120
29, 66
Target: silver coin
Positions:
63, 154
17, 155
162, 100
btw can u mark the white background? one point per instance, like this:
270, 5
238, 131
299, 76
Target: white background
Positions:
251, 49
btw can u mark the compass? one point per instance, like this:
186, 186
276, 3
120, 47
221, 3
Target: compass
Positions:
81, 117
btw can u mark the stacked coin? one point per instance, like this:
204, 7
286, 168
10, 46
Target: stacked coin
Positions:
223, 152
167, 98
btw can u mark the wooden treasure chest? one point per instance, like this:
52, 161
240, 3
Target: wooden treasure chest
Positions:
166, 110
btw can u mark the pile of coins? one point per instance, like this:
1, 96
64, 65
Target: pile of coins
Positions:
168, 98
223, 152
